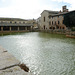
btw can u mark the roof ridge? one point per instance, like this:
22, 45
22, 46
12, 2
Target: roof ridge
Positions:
5, 18
51, 11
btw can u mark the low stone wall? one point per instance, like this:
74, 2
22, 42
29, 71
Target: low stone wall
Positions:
14, 31
54, 31
58, 31
9, 65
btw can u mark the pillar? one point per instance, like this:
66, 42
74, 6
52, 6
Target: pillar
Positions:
18, 28
1, 28
25, 28
10, 28
31, 27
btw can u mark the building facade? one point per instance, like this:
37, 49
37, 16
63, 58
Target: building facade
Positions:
39, 22
15, 24
57, 20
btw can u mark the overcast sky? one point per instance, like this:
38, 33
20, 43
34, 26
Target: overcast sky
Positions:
29, 9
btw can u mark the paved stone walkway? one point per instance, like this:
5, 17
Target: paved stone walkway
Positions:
9, 64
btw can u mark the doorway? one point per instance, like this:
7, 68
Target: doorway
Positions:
44, 27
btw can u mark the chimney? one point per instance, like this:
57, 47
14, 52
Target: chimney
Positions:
64, 9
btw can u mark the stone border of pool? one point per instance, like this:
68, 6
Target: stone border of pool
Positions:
9, 65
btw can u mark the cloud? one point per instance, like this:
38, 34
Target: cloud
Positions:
29, 9
3, 0
72, 2
21, 9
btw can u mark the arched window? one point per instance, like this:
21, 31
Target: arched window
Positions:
50, 27
55, 22
53, 28
63, 28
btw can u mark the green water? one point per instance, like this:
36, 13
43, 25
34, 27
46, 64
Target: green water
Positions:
44, 53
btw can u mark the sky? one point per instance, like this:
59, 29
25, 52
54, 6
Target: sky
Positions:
31, 9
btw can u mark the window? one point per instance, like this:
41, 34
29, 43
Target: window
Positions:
55, 22
15, 22
10, 22
49, 17
63, 28
33, 22
58, 22
50, 27
44, 19
44, 27
52, 22
63, 22
19, 22
23, 22
49, 23
53, 28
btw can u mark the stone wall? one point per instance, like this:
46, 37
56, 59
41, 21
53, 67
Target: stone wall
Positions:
56, 22
44, 20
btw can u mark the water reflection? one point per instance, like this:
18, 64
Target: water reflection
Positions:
44, 53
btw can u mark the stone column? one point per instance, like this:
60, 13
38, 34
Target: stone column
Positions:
10, 28
25, 28
31, 27
1, 28
18, 28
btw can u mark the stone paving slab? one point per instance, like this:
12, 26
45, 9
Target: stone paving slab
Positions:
7, 60
9, 64
2, 50
14, 71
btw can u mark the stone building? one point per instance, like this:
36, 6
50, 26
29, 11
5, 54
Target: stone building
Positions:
45, 19
14, 24
34, 22
39, 22
57, 20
